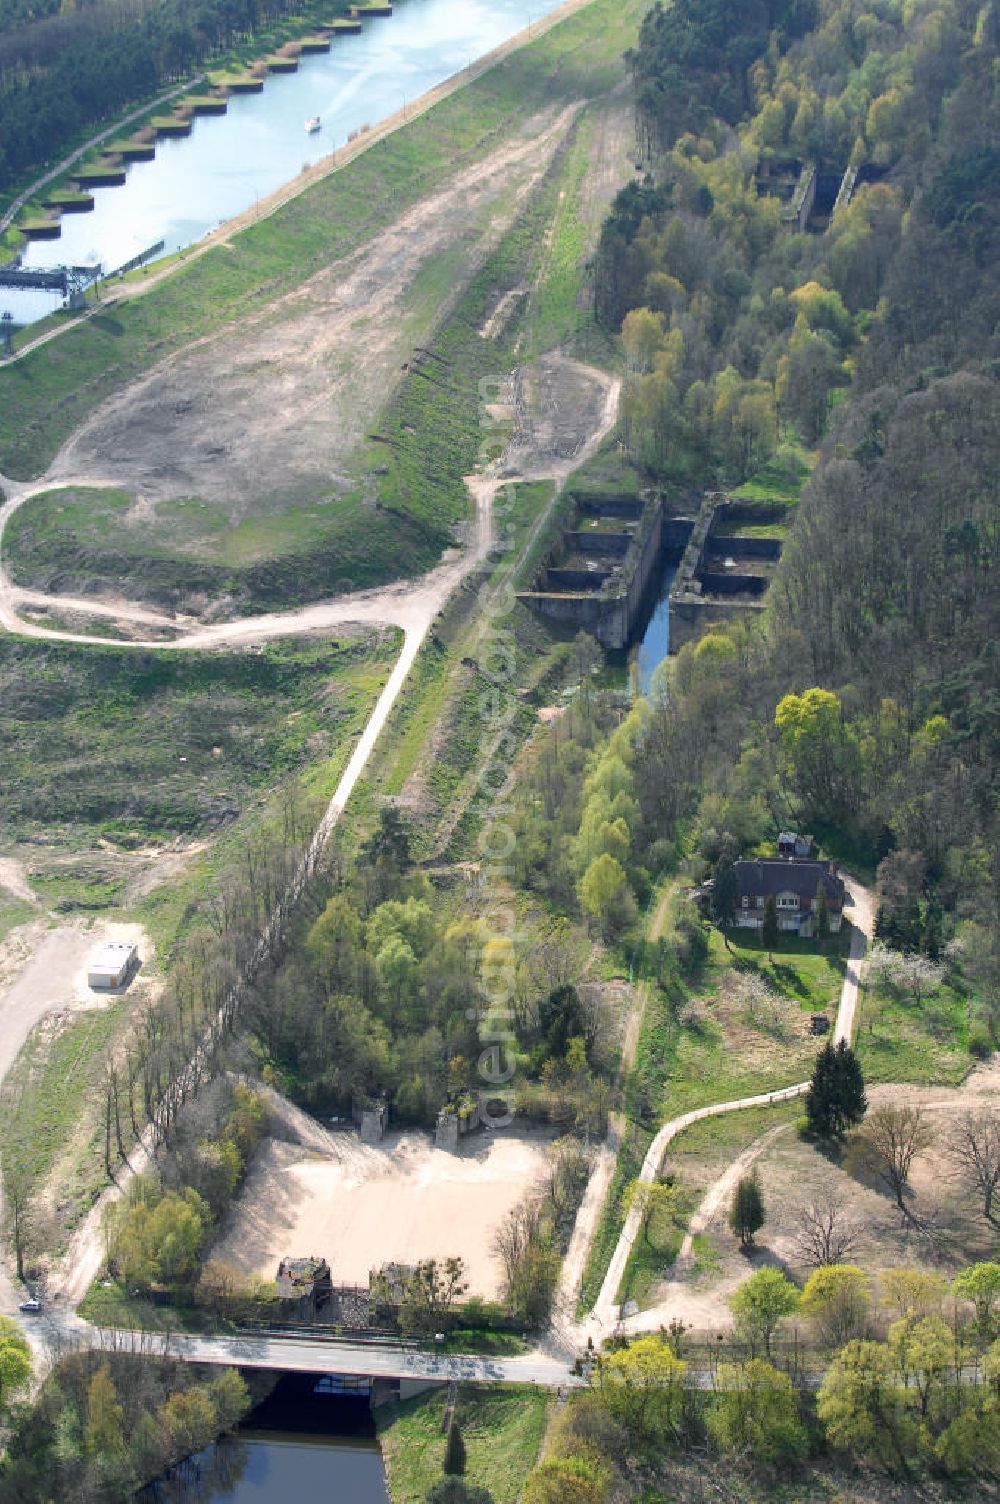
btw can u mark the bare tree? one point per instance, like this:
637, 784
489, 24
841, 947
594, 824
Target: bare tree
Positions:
515, 1235
894, 1136
825, 1236
973, 1147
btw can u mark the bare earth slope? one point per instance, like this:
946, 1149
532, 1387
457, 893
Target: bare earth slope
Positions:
273, 408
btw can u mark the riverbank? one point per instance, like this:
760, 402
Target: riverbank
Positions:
365, 136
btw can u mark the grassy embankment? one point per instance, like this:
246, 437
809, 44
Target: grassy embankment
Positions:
699, 1045
44, 397
113, 758
502, 1429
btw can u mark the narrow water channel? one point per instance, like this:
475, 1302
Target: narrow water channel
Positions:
297, 1447
229, 161
654, 644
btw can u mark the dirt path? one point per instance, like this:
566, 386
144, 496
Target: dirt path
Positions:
12, 877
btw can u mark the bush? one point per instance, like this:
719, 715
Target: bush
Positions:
980, 1039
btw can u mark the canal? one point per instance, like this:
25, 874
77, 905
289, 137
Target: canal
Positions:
654, 643
230, 161
299, 1446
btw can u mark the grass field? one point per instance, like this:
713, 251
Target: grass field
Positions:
136, 748
44, 1121
903, 1041
502, 1429
697, 1046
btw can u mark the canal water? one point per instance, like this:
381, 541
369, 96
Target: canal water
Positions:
654, 644
297, 1447
230, 161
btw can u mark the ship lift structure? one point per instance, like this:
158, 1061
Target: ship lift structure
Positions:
71, 281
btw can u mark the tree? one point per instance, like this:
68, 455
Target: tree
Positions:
754, 1414
863, 1407
760, 1303
926, 1356
893, 1137
746, 1214
836, 1097
454, 1451
605, 895
980, 1283
429, 1294
725, 892
973, 1147
15, 1360
837, 1298
822, 916
105, 1415
824, 1236
642, 1385
769, 927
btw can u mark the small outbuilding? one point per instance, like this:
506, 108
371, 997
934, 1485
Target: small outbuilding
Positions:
113, 966
305, 1287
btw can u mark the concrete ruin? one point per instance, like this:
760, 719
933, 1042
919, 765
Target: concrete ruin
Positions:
601, 571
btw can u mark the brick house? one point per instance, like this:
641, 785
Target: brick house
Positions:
794, 884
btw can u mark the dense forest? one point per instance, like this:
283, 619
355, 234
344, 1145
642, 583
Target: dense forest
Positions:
66, 67
866, 704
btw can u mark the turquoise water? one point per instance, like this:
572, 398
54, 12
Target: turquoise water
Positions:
229, 161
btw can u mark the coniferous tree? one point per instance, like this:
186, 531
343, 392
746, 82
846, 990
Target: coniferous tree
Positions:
836, 1097
746, 1214
822, 916
769, 929
725, 892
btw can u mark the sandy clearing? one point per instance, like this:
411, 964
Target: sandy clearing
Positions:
401, 1201
214, 420
55, 977
12, 877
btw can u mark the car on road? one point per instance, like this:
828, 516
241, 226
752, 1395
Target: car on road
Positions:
30, 1307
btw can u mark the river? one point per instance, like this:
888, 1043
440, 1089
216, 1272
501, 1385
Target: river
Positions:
296, 1447
230, 161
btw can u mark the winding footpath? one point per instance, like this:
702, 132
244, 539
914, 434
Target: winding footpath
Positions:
606, 1313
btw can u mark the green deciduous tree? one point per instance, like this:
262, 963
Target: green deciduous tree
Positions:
754, 1414
105, 1416
15, 1360
980, 1283
760, 1303
837, 1298
642, 1385
605, 895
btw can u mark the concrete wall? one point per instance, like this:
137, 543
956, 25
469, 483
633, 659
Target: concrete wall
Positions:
691, 617
599, 544
593, 504
732, 583
576, 579
721, 546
